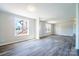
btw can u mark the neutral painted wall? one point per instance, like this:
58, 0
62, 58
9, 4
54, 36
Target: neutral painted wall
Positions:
7, 28
43, 29
53, 28
64, 28
77, 34
77, 27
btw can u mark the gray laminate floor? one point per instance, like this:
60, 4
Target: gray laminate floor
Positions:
49, 46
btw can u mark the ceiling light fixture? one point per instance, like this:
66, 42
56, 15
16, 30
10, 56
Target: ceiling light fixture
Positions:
31, 8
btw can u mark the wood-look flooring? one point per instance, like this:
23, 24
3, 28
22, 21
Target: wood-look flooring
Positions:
49, 46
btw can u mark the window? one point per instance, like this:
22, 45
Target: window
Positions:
22, 27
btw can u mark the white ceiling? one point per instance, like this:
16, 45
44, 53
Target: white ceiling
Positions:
46, 11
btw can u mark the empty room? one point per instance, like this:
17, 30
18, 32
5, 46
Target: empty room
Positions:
38, 29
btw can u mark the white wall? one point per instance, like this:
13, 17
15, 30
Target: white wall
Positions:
77, 34
77, 27
64, 28
43, 29
7, 28
53, 28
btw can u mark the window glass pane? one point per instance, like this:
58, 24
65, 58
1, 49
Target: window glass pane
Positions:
22, 27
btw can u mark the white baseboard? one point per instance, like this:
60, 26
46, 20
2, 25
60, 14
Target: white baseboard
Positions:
6, 43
